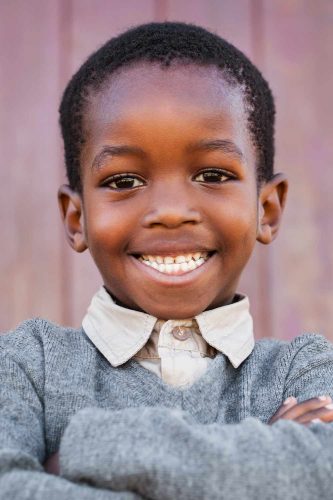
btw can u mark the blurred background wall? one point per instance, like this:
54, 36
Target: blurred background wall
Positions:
43, 42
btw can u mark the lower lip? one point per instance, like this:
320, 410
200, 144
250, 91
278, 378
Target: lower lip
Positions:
176, 279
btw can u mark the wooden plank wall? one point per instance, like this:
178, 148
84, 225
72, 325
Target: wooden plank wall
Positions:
290, 283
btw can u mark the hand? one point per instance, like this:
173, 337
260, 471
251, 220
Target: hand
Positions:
52, 464
311, 411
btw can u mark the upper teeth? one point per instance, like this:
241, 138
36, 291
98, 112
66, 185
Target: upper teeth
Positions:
175, 260
179, 264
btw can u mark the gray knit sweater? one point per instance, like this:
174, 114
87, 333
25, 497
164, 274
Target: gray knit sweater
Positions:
124, 434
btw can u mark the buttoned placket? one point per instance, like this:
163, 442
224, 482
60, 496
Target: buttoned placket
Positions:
181, 359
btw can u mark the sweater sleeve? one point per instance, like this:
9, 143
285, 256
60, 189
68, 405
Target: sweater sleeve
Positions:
22, 450
163, 454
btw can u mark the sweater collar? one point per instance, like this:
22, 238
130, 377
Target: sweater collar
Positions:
119, 333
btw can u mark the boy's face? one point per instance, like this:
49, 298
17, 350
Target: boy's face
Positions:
168, 170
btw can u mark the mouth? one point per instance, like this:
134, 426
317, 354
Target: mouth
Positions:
175, 265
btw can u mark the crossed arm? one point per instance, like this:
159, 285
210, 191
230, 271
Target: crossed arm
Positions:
314, 410
160, 453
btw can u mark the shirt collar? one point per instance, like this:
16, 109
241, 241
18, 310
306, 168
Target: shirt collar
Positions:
119, 333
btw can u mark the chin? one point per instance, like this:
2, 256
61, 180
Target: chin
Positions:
175, 312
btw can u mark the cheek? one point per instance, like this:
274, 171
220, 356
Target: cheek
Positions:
108, 229
237, 222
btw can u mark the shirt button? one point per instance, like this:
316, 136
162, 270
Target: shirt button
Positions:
181, 333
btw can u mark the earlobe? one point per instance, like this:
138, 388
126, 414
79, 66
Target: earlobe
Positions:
272, 199
70, 204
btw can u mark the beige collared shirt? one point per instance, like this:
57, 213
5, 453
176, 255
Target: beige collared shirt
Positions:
178, 351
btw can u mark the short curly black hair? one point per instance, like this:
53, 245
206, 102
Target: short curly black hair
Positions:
164, 43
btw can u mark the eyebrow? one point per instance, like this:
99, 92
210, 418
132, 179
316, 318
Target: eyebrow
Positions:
224, 145
115, 151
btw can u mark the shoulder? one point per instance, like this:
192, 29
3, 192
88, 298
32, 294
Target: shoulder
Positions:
39, 350
303, 347
32, 337
307, 353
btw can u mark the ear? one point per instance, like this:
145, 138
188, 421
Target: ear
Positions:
70, 204
272, 199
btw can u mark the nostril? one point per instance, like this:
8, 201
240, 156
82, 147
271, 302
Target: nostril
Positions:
171, 218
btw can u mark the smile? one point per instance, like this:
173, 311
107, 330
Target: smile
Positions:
178, 265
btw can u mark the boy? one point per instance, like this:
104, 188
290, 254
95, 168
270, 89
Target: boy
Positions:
168, 134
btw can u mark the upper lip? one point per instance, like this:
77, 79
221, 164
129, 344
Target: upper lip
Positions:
171, 251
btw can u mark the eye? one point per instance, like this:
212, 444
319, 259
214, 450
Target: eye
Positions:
123, 181
214, 175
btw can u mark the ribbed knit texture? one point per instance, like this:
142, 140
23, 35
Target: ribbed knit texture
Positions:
124, 434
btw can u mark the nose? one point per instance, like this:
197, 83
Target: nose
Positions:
171, 208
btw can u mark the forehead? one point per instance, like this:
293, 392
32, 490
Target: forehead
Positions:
190, 98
